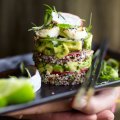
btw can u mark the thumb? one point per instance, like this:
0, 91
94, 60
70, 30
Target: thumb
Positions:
99, 102
105, 115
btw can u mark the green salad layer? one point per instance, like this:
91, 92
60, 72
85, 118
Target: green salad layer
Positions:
110, 70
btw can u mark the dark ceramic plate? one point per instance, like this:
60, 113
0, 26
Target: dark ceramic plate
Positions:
47, 93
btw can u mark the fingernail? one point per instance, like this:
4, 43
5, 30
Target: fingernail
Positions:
113, 108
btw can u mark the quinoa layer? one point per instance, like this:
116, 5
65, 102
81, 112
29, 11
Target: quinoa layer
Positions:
69, 78
64, 79
73, 57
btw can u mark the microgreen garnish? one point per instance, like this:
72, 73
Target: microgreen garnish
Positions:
50, 8
22, 68
36, 28
47, 18
88, 29
28, 72
54, 9
48, 14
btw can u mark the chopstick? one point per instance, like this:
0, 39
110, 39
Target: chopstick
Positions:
87, 88
97, 64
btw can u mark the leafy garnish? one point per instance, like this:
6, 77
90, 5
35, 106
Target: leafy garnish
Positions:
64, 26
113, 63
35, 28
48, 14
54, 9
110, 70
88, 29
22, 68
47, 18
29, 75
50, 8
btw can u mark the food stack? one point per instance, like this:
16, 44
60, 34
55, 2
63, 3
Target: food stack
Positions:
62, 51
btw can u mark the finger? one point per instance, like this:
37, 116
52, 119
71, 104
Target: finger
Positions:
104, 100
59, 106
63, 116
105, 115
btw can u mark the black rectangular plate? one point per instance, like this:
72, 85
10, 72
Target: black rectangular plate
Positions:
47, 93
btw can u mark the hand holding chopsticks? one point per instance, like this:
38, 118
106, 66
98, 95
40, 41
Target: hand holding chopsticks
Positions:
87, 88
101, 103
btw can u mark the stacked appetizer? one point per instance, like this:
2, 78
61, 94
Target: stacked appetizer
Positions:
62, 51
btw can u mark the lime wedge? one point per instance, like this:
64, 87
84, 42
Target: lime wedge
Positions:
3, 102
15, 91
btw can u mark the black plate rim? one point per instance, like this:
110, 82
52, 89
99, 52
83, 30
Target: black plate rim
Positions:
68, 94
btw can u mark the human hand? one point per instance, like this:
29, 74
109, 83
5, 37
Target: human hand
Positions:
104, 115
101, 104
62, 116
99, 108
102, 100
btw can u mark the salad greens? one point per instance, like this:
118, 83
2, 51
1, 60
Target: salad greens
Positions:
110, 70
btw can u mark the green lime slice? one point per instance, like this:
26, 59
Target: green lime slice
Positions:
15, 91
